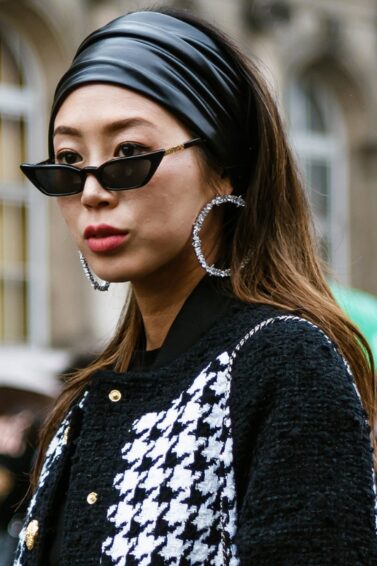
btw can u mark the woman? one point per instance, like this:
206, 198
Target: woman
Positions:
228, 420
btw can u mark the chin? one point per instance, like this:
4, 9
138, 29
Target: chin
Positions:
121, 276
113, 272
123, 271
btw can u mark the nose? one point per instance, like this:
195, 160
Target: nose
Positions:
95, 195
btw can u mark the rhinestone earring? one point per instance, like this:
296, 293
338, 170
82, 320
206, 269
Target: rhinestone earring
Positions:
196, 242
98, 286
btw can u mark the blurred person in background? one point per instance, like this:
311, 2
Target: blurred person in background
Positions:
20, 415
25, 400
228, 420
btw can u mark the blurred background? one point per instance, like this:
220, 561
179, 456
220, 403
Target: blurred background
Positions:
320, 59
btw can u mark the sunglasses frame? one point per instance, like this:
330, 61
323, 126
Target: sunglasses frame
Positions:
154, 157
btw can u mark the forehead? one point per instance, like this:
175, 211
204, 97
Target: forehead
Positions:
103, 103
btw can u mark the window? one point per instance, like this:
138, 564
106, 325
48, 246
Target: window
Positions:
23, 310
318, 138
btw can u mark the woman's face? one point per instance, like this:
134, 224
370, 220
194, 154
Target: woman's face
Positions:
100, 122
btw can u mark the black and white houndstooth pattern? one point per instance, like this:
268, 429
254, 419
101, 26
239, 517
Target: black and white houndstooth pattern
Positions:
176, 502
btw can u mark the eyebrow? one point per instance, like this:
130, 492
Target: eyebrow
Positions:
112, 128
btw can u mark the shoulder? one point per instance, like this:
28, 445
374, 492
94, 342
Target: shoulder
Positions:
287, 355
258, 327
275, 334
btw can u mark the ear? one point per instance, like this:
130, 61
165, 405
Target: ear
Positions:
225, 185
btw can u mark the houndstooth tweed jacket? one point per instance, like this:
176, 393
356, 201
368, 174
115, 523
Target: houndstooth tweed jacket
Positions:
250, 448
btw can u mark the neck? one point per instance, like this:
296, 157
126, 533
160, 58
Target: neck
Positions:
160, 301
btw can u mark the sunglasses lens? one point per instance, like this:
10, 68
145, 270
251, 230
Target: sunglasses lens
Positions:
56, 181
126, 175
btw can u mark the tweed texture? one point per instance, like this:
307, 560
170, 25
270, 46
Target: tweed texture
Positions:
252, 448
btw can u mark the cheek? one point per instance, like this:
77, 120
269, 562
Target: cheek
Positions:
170, 208
69, 209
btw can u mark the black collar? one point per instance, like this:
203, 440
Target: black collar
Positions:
209, 301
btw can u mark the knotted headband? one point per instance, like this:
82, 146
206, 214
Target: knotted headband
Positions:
175, 64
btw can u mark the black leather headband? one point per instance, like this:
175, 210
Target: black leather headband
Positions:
176, 65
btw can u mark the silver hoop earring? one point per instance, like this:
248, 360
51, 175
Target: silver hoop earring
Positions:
197, 226
98, 286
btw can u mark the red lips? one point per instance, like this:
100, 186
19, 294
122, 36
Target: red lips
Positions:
102, 231
103, 238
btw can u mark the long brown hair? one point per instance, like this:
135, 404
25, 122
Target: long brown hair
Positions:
274, 233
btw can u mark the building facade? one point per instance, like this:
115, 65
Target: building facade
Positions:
320, 58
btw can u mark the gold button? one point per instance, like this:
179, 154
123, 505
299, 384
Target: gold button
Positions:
92, 497
31, 533
115, 395
65, 435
